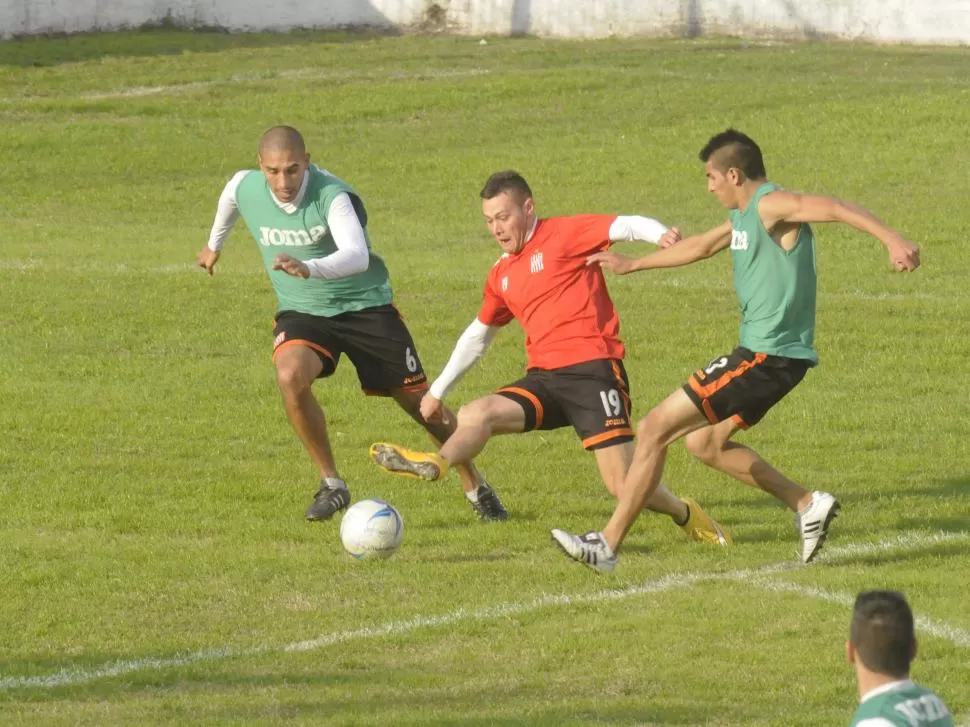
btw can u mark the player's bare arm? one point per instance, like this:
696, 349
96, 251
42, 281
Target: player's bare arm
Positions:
793, 207
669, 238
291, 266
207, 259
692, 249
431, 408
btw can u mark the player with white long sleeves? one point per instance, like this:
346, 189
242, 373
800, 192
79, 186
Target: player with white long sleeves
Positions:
575, 371
334, 298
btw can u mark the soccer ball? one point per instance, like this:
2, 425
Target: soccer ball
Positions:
371, 529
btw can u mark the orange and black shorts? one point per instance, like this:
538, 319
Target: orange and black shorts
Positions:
744, 385
592, 397
376, 340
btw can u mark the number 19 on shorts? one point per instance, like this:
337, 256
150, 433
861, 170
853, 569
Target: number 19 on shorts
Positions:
612, 404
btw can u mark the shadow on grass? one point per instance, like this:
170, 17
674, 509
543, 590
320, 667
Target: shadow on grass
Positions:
939, 550
754, 534
52, 50
952, 492
471, 520
636, 548
457, 711
470, 558
346, 693
952, 487
956, 524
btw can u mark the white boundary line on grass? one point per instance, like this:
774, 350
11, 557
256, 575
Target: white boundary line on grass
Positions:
923, 624
309, 73
755, 576
312, 72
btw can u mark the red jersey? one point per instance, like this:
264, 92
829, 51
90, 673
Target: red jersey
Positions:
561, 303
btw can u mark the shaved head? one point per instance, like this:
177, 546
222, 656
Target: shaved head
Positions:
282, 138
284, 161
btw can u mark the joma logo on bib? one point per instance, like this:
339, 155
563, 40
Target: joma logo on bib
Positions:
739, 240
291, 238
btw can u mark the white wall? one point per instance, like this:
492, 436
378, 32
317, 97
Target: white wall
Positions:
919, 21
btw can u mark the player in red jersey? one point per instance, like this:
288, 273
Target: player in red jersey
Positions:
575, 372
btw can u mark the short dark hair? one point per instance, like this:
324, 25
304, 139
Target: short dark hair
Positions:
882, 632
739, 150
507, 181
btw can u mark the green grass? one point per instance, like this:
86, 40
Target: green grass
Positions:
151, 492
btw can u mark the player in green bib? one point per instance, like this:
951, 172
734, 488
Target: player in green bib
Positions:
773, 255
881, 647
334, 298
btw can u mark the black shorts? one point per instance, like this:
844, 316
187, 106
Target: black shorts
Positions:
744, 385
592, 397
376, 340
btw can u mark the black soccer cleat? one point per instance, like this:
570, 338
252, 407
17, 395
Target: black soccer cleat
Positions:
328, 502
488, 507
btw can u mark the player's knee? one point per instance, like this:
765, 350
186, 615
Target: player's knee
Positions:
483, 414
291, 380
475, 414
702, 446
651, 430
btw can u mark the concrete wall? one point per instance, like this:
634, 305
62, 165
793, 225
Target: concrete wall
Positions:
917, 21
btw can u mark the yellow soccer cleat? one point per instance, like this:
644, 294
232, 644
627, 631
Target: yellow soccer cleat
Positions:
702, 527
406, 463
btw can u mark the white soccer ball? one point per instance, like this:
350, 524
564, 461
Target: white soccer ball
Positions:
371, 529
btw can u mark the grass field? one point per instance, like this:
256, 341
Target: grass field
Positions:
155, 567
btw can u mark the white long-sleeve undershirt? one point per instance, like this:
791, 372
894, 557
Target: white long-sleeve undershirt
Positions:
470, 347
351, 255
635, 227
475, 340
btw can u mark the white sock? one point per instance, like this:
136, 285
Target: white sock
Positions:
335, 483
473, 495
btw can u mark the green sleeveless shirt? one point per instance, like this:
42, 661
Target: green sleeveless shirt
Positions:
776, 288
304, 235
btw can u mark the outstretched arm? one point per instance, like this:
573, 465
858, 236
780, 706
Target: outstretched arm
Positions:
692, 249
792, 207
470, 347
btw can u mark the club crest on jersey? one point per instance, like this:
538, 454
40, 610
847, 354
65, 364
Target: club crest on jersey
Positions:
505, 283
739, 239
535, 264
291, 238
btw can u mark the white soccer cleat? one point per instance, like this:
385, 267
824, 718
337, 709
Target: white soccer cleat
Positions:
814, 521
591, 549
